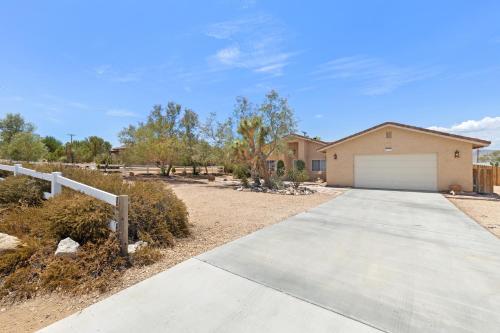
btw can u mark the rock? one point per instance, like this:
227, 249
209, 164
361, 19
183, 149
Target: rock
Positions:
67, 247
136, 246
8, 242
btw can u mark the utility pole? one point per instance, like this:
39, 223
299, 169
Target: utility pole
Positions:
71, 147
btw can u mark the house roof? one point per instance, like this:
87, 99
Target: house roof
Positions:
476, 143
307, 138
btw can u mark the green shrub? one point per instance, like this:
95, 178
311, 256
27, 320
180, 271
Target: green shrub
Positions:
21, 190
241, 172
300, 165
79, 217
280, 168
297, 176
244, 182
276, 182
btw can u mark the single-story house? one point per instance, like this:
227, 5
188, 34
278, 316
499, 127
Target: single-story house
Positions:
397, 156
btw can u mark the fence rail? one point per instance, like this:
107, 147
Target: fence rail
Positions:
57, 181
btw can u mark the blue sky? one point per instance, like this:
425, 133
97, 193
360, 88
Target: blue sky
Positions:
93, 67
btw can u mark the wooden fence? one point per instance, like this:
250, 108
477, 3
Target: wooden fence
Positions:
120, 202
485, 178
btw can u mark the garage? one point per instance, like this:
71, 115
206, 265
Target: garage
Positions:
403, 172
403, 157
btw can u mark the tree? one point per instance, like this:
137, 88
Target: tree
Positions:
493, 158
25, 146
13, 124
55, 148
204, 154
220, 137
154, 141
262, 131
189, 133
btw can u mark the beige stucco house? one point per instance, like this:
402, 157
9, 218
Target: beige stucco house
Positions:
398, 156
303, 148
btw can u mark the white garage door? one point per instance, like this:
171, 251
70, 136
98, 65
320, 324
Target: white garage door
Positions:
404, 172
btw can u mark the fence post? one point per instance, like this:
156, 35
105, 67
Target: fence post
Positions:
55, 187
16, 169
122, 209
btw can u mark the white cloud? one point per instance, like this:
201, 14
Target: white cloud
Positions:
487, 128
255, 43
120, 113
318, 116
373, 75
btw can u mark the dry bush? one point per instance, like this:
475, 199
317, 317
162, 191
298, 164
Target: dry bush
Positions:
146, 256
156, 214
20, 190
79, 217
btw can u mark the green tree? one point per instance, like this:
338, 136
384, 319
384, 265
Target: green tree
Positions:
13, 124
262, 130
156, 140
189, 126
55, 148
25, 146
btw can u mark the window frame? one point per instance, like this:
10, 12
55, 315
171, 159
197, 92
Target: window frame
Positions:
321, 165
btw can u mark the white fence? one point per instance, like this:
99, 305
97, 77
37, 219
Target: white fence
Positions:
120, 202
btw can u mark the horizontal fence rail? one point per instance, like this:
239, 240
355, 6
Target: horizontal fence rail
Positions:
120, 202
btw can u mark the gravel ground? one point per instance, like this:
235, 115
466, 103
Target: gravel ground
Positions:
218, 214
485, 212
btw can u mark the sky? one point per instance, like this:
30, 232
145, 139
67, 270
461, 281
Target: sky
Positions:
94, 67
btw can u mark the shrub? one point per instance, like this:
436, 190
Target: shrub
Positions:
79, 217
20, 190
241, 172
276, 182
146, 256
297, 176
244, 182
300, 165
280, 168
156, 214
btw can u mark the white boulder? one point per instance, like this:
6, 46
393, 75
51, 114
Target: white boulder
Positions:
136, 246
8, 242
67, 247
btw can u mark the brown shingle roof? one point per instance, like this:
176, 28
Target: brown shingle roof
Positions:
479, 142
308, 138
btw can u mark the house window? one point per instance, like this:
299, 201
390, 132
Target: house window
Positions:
318, 165
271, 165
388, 135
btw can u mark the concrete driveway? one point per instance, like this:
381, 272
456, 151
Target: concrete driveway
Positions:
367, 261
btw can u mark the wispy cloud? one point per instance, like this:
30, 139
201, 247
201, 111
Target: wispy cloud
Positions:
255, 43
318, 116
487, 128
120, 113
107, 72
374, 76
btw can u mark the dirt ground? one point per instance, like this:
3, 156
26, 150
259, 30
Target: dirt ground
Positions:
485, 211
217, 213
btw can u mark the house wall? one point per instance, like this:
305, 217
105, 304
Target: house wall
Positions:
451, 170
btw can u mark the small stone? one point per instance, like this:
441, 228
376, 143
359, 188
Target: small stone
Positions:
67, 247
8, 242
136, 246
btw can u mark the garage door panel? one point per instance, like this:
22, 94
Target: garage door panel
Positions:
408, 171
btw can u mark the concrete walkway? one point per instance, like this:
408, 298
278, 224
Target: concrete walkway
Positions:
367, 261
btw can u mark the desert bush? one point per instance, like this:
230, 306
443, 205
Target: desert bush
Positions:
240, 172
79, 217
5, 174
276, 182
20, 190
297, 176
244, 182
156, 214
146, 256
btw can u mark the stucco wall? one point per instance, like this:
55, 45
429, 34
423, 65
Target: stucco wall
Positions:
451, 170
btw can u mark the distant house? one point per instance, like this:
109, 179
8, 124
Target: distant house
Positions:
303, 148
116, 151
